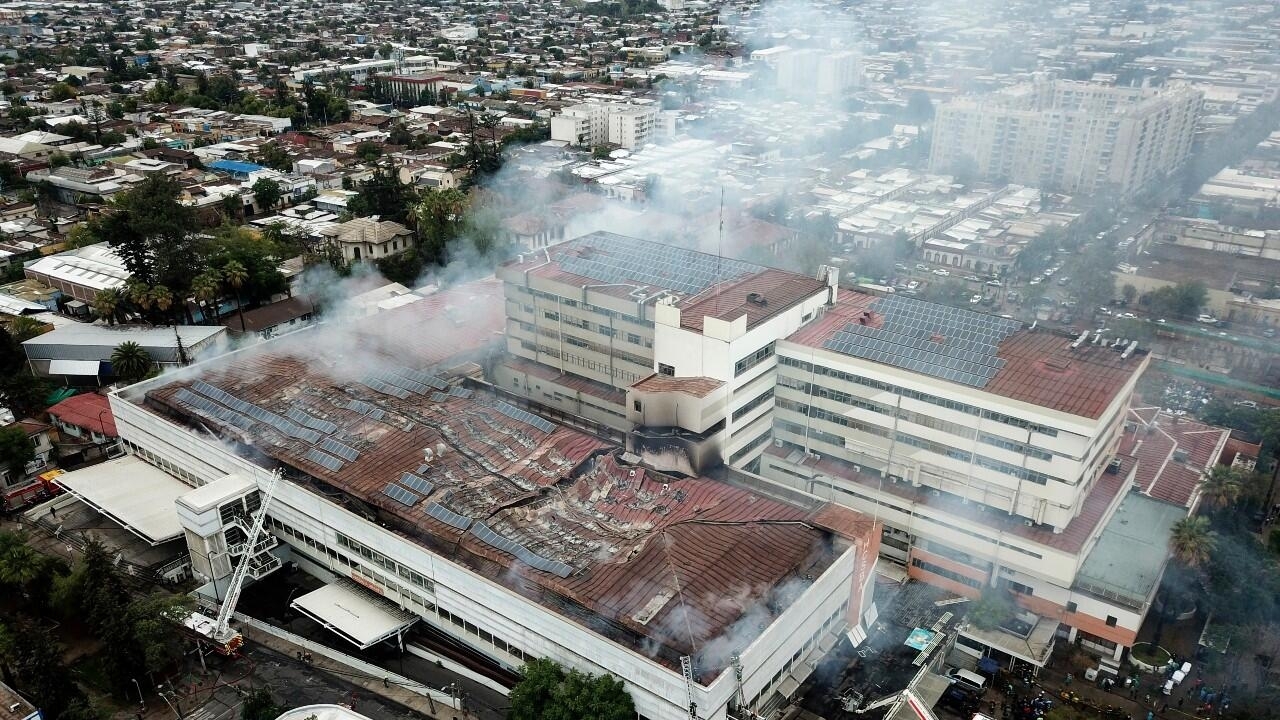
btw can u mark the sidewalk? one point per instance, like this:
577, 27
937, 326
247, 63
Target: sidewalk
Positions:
1147, 698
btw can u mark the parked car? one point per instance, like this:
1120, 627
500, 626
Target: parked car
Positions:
913, 284
921, 266
1036, 280
942, 272
993, 283
1207, 319
973, 278
1104, 311
975, 299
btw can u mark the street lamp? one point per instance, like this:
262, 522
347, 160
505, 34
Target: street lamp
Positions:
141, 701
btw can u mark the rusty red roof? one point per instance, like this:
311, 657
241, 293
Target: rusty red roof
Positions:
1172, 453
693, 386
87, 410
759, 297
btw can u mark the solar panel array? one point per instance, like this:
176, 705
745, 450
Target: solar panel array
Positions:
413, 482
403, 383
333, 447
400, 495
257, 413
439, 397
935, 340
460, 392
421, 376
616, 259
209, 407
371, 411
447, 516
524, 554
527, 418
324, 460
386, 388
310, 421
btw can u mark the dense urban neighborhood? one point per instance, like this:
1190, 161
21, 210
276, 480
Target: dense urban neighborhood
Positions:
640, 360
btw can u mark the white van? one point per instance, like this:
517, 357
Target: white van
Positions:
969, 679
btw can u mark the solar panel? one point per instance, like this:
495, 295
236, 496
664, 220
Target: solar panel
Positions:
310, 421
944, 342
413, 482
527, 418
333, 447
439, 397
402, 383
486, 535
460, 392
611, 258
373, 412
421, 376
386, 389
324, 460
400, 495
211, 409
447, 516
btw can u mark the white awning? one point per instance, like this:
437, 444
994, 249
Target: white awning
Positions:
87, 368
362, 617
129, 491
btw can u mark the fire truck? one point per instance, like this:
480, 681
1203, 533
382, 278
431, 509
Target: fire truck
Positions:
37, 491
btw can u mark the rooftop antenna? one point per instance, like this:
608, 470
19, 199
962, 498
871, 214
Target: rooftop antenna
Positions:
720, 242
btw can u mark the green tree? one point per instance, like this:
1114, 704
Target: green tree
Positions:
273, 155
60, 91
266, 193
385, 196
235, 275
206, 290
16, 448
106, 304
438, 217
1223, 487
154, 234
1183, 300
260, 705
546, 692
36, 659
1192, 542
24, 328
130, 362
992, 609
1129, 293
368, 151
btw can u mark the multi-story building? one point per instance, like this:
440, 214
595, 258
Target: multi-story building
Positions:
1072, 136
991, 451
499, 530
597, 123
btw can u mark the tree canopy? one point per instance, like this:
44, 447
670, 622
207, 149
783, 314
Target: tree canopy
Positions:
16, 448
547, 692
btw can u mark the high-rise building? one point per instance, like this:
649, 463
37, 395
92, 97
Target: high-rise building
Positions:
1072, 136
597, 123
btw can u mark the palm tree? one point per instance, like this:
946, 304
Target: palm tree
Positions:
236, 276
139, 294
1221, 487
106, 303
24, 328
130, 362
161, 298
205, 289
1192, 541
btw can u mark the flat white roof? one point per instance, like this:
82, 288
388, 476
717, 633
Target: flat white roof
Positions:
137, 495
360, 616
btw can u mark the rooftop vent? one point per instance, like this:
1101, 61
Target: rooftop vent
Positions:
1057, 364
756, 299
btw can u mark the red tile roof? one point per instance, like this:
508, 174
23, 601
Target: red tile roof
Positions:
87, 410
759, 297
1159, 443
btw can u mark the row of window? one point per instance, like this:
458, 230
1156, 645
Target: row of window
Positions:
752, 404
917, 395
753, 359
906, 439
760, 439
158, 461
951, 428
984, 537
385, 563
803, 651
567, 302
427, 606
948, 574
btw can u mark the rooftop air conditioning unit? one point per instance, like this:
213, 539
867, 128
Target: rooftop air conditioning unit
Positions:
1029, 523
428, 454
777, 442
440, 448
